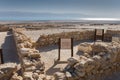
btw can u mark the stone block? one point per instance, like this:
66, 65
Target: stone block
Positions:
7, 70
72, 61
59, 76
85, 47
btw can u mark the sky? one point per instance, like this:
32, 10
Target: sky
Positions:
59, 9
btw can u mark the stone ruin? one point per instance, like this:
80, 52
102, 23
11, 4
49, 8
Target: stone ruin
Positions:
49, 39
31, 65
7, 70
98, 60
45, 40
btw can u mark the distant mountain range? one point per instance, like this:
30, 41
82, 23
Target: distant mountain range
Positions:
12, 15
19, 17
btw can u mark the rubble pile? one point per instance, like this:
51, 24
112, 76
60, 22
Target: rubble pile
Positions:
31, 65
98, 61
7, 70
76, 35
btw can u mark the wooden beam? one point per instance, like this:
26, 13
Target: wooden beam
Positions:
71, 47
59, 47
1, 57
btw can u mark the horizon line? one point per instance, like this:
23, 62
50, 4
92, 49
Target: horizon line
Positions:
78, 19
101, 19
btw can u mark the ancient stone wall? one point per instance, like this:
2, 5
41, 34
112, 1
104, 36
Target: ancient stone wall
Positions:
109, 33
31, 65
3, 28
76, 35
98, 61
45, 40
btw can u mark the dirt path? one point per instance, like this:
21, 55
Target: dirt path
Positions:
49, 55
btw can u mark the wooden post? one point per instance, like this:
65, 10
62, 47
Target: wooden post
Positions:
95, 35
103, 35
59, 46
71, 47
1, 57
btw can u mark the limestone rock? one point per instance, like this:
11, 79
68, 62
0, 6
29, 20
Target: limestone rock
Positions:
59, 76
72, 61
85, 48
7, 70
99, 47
69, 76
28, 76
80, 73
34, 55
16, 77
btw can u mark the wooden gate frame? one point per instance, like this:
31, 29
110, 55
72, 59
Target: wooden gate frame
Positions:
95, 34
59, 47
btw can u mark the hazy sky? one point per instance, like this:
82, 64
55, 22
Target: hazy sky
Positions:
15, 9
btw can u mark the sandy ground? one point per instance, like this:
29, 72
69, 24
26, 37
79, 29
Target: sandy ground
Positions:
49, 55
9, 48
2, 37
115, 27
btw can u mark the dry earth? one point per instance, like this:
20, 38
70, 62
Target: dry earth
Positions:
50, 55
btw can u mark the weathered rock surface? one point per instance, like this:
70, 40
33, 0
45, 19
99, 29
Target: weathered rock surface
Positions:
7, 70
104, 62
45, 40
31, 64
